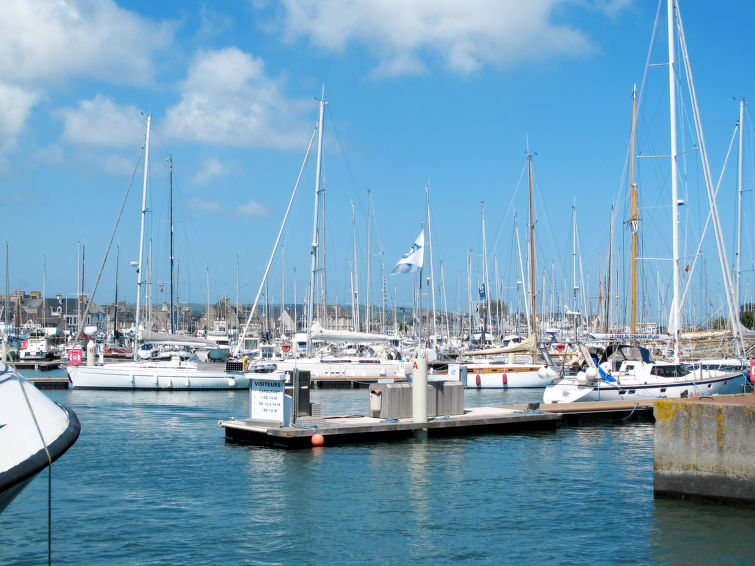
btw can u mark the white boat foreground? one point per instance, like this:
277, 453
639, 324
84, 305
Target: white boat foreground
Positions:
630, 373
25, 414
174, 374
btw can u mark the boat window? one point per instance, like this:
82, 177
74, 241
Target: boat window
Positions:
670, 370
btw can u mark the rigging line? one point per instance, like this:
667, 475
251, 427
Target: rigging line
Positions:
49, 460
640, 98
107, 251
710, 213
277, 241
509, 206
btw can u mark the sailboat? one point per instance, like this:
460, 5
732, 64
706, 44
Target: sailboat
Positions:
318, 349
629, 371
173, 374
515, 365
34, 432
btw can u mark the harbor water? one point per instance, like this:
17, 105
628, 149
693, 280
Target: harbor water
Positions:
151, 480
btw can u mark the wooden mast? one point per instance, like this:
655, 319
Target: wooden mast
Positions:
634, 220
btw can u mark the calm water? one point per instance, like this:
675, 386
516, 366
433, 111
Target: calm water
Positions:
151, 480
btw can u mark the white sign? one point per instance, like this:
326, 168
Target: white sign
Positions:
267, 399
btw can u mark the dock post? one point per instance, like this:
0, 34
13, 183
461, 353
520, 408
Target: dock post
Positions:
419, 393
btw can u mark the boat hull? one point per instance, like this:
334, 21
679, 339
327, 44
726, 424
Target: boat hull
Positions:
347, 369
22, 454
570, 391
151, 377
505, 378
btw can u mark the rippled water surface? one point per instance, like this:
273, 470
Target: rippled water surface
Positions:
151, 480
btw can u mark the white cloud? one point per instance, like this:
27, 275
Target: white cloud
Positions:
252, 208
47, 40
465, 35
210, 169
210, 205
103, 122
120, 165
15, 106
228, 99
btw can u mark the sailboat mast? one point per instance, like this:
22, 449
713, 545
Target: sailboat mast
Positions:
313, 266
430, 247
739, 204
532, 248
521, 275
368, 318
634, 220
675, 322
141, 238
172, 315
355, 298
115, 305
485, 274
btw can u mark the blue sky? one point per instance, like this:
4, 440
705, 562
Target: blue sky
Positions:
443, 93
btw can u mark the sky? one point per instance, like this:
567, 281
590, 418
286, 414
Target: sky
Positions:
431, 93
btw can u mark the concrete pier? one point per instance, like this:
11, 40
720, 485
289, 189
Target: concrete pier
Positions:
705, 448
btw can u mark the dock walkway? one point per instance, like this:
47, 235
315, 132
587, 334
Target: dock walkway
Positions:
358, 428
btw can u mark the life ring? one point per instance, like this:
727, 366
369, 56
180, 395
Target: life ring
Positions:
752, 371
560, 348
286, 347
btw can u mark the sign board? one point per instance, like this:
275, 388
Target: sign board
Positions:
267, 398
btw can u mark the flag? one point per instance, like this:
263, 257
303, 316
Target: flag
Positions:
482, 292
413, 259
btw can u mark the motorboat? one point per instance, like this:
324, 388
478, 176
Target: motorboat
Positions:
34, 432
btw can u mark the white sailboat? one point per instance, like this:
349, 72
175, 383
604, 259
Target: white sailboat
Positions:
310, 351
34, 432
173, 374
516, 365
629, 372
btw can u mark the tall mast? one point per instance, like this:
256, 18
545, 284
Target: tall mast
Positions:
368, 318
172, 315
634, 220
485, 274
739, 204
521, 274
313, 266
115, 303
675, 322
355, 297
44, 291
532, 248
430, 247
575, 287
607, 321
7, 280
141, 238
283, 286
382, 309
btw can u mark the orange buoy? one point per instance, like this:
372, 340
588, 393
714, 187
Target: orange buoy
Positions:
318, 439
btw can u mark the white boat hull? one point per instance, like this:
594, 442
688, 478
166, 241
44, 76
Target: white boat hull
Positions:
570, 391
505, 377
155, 376
22, 453
347, 369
